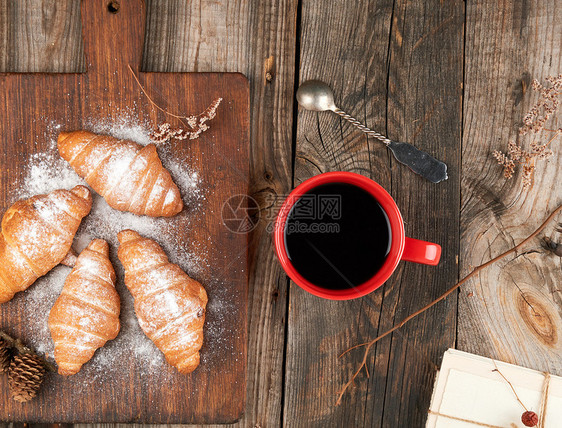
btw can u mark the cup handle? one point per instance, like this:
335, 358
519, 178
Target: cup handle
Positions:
426, 253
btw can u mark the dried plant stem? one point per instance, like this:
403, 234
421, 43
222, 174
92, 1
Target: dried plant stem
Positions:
550, 96
557, 132
197, 124
368, 345
510, 385
163, 110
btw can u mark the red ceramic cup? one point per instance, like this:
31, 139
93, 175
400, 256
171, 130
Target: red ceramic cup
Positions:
401, 247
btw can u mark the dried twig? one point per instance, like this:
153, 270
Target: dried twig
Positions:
163, 110
197, 124
369, 345
510, 385
529, 418
165, 132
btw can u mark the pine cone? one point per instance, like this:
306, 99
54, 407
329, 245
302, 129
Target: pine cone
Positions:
25, 376
5, 355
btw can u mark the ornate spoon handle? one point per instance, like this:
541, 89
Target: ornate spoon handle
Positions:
362, 127
420, 162
318, 96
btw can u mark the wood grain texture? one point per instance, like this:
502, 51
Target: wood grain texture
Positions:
398, 68
271, 67
514, 312
41, 36
199, 35
216, 391
267, 29
401, 58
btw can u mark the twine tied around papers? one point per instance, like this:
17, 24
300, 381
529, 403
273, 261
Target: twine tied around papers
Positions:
542, 406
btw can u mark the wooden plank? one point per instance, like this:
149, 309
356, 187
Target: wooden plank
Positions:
46, 54
41, 36
199, 35
398, 67
267, 29
107, 91
515, 307
4, 40
271, 68
18, 55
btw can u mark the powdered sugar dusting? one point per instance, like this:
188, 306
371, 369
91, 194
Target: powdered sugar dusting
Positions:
188, 183
124, 128
47, 171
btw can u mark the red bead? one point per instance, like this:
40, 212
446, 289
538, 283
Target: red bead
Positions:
529, 419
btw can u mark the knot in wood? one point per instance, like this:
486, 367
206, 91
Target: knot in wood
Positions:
537, 317
269, 69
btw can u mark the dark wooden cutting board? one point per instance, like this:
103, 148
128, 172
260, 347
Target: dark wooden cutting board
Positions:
215, 392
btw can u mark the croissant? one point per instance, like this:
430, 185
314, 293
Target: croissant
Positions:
86, 314
129, 176
36, 236
170, 306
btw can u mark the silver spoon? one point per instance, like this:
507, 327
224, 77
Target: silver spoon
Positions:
318, 96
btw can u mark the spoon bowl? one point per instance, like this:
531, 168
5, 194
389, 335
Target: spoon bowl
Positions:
316, 96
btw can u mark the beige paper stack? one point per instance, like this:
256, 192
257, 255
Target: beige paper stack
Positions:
469, 392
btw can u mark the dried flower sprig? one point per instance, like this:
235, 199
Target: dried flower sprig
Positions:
533, 123
547, 104
197, 124
164, 132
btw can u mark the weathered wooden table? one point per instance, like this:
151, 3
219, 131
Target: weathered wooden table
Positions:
450, 77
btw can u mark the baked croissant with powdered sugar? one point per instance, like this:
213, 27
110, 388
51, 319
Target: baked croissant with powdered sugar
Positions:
86, 314
37, 234
170, 306
129, 176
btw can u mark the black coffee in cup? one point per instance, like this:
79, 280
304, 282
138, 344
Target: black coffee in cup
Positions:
337, 236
